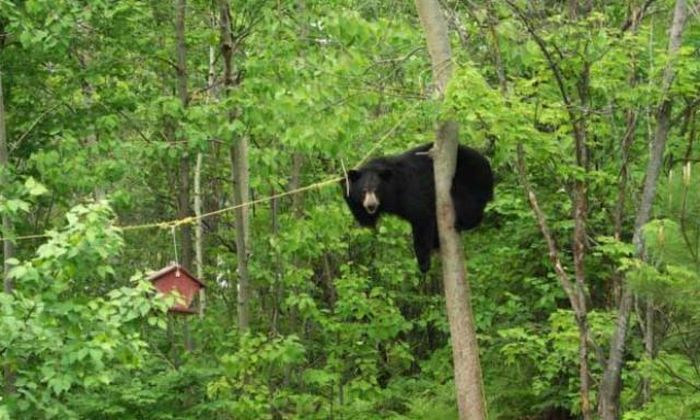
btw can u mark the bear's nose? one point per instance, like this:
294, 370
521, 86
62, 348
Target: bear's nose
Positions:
371, 203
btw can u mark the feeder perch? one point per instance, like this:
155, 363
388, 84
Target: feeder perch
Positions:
176, 278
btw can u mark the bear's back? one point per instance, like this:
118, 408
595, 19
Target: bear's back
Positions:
473, 171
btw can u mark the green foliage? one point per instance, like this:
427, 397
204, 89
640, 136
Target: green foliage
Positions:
676, 395
343, 324
60, 342
245, 387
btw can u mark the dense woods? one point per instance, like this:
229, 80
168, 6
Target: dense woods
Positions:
214, 134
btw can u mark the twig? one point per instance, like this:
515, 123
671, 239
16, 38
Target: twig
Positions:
34, 124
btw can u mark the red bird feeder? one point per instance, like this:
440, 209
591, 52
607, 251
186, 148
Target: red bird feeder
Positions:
175, 278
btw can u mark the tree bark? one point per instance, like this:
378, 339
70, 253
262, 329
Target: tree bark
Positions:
8, 247
198, 229
240, 175
580, 202
609, 405
239, 167
183, 193
297, 157
635, 16
199, 226
465, 350
435, 28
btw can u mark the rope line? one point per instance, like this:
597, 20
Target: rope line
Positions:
191, 219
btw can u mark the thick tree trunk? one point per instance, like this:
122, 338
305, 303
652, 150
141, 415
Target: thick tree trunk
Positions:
609, 402
8, 247
240, 176
465, 350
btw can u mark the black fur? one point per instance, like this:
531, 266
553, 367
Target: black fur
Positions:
405, 187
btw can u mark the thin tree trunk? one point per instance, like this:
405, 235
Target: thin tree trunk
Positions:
465, 351
492, 21
198, 229
648, 347
295, 183
91, 139
8, 247
579, 237
199, 226
627, 140
239, 170
562, 275
183, 193
239, 166
579, 253
297, 157
609, 406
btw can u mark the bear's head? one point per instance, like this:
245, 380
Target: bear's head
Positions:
368, 187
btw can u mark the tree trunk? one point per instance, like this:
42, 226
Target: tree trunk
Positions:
465, 351
579, 237
295, 183
239, 173
609, 406
198, 229
183, 193
648, 347
297, 157
199, 226
239, 167
8, 247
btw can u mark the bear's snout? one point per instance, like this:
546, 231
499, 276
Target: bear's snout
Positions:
371, 202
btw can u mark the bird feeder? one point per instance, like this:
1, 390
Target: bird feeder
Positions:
175, 278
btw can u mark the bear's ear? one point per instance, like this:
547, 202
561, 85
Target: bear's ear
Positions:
354, 175
386, 174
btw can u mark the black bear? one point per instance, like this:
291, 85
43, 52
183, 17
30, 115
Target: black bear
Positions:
403, 185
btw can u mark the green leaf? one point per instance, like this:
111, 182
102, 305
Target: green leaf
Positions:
34, 187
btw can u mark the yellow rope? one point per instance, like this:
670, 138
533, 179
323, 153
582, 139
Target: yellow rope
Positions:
19, 238
191, 219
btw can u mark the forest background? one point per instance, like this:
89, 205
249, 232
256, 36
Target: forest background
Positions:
116, 116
